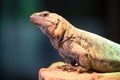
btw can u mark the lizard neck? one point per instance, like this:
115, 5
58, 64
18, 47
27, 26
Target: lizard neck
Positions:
66, 36
57, 39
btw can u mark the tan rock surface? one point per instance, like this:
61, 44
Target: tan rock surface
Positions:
59, 74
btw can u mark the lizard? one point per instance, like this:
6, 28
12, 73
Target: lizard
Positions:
88, 50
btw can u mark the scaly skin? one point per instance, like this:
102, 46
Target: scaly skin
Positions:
90, 51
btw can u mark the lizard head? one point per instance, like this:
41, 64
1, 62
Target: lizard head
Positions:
51, 24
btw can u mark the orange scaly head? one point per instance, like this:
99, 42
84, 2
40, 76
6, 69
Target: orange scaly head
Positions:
51, 24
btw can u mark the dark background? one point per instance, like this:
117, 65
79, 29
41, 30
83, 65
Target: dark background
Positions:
24, 49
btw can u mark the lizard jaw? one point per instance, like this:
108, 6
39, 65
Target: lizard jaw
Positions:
46, 25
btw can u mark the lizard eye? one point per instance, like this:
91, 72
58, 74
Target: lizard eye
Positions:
44, 14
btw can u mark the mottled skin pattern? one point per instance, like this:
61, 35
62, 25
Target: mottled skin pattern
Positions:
88, 50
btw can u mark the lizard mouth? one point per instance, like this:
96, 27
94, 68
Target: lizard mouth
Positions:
42, 22
46, 25
35, 21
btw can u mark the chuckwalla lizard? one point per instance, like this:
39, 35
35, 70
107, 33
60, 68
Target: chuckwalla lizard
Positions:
90, 51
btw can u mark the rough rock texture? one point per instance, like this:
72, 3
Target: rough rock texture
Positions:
54, 73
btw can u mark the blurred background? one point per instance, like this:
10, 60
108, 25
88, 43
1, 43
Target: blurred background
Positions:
24, 49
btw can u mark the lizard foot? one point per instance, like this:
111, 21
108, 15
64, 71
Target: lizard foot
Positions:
70, 68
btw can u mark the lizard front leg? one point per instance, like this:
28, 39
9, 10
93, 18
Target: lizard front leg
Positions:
81, 57
76, 58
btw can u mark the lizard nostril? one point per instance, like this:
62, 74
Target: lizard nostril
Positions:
44, 14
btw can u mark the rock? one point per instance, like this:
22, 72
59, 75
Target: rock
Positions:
55, 73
